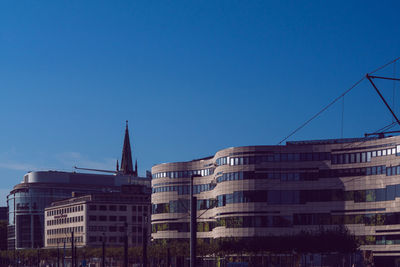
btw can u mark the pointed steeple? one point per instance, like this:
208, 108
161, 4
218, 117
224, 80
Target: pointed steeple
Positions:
126, 161
136, 171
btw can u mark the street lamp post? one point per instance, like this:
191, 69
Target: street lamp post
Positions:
72, 250
144, 240
193, 223
58, 253
64, 254
126, 245
103, 262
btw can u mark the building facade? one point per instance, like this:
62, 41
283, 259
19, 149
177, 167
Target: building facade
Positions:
27, 200
282, 190
98, 218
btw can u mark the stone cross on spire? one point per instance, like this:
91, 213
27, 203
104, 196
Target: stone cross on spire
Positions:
126, 161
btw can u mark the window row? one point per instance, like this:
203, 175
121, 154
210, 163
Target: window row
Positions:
348, 158
273, 157
309, 219
282, 157
65, 220
65, 210
113, 207
184, 189
182, 206
283, 221
183, 174
66, 230
276, 197
114, 239
104, 218
61, 240
280, 174
283, 176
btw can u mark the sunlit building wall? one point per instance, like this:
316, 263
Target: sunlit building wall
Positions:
281, 190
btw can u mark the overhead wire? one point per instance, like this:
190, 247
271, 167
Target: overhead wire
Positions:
322, 110
335, 100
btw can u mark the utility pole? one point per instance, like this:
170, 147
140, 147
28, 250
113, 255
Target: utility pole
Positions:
144, 240
38, 257
126, 246
64, 254
58, 254
193, 223
72, 250
103, 262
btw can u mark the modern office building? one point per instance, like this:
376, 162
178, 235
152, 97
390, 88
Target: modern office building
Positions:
27, 201
98, 217
281, 190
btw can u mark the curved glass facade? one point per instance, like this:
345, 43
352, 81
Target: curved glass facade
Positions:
269, 190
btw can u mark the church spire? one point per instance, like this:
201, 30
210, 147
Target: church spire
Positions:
136, 171
126, 161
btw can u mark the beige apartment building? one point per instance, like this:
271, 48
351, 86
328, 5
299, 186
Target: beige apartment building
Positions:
99, 217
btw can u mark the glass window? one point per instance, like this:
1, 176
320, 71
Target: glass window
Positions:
346, 159
373, 154
352, 158
389, 151
370, 195
274, 197
391, 192
384, 152
379, 153
398, 190
363, 157
334, 159
358, 157
380, 194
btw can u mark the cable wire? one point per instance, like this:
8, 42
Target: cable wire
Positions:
322, 110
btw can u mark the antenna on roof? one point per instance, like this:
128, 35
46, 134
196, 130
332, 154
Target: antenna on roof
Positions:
382, 134
94, 170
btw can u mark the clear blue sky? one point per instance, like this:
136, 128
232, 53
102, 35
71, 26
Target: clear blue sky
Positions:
192, 77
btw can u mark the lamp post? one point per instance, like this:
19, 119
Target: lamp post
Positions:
72, 250
126, 245
144, 240
58, 254
103, 262
193, 223
38, 256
